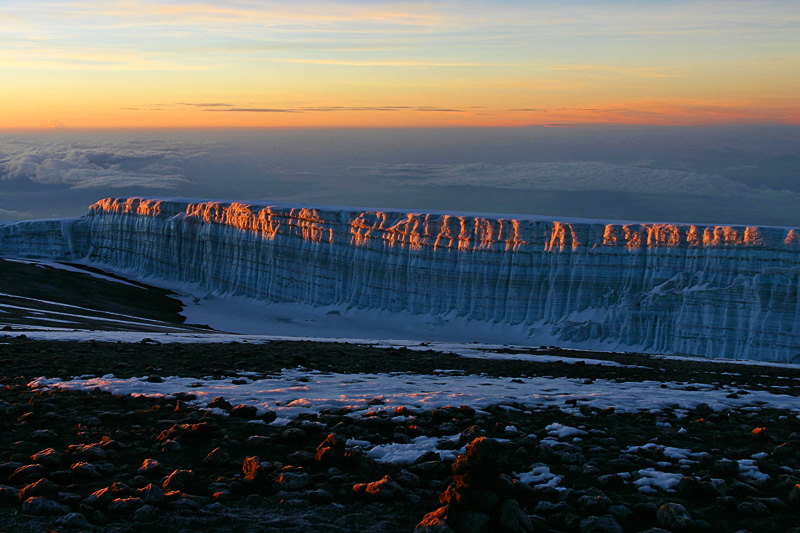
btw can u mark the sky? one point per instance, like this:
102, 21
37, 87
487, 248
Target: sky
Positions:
322, 63
679, 111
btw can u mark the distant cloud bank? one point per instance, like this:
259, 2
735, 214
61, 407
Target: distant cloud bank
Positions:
146, 164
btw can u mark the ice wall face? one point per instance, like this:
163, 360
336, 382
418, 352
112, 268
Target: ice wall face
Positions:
716, 291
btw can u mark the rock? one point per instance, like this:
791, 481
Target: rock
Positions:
62, 477
434, 522
43, 487
408, 478
125, 505
600, 524
674, 517
292, 436
85, 470
726, 467
26, 474
794, 497
247, 412
151, 495
267, 416
331, 451
384, 489
43, 506
144, 513
217, 457
753, 509
293, 481
257, 441
47, 457
252, 470
470, 434
151, 468
479, 459
471, 522
182, 480
512, 519
44, 435
594, 504
220, 403
318, 496
75, 521
171, 445
8, 493
103, 497
88, 451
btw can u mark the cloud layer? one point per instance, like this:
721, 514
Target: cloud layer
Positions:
143, 165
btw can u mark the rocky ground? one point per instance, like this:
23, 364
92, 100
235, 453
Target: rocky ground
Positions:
101, 462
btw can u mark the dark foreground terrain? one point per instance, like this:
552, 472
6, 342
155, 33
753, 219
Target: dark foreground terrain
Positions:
93, 461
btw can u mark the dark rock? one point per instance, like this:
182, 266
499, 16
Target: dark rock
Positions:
470, 434
675, 517
384, 489
292, 436
594, 504
8, 493
182, 480
794, 497
220, 403
26, 474
151, 494
125, 505
75, 521
151, 468
47, 457
600, 524
43, 487
43, 506
331, 451
171, 445
86, 470
408, 478
293, 481
753, 509
62, 477
144, 513
434, 522
217, 456
247, 412
512, 519
253, 471
318, 496
470, 522
726, 467
256, 441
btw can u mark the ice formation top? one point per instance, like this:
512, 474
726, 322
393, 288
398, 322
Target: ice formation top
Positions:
709, 290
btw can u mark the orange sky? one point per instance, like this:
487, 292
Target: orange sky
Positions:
158, 64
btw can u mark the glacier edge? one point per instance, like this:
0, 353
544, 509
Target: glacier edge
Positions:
706, 290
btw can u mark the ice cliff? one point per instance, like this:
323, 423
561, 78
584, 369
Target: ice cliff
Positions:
715, 291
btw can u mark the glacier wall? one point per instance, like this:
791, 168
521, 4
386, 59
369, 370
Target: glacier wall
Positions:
714, 291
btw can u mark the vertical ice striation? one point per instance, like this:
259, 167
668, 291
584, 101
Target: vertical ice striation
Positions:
716, 291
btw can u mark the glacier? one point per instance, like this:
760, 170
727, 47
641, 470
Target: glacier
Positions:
717, 291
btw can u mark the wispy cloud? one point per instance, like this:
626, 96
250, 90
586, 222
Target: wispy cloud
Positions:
324, 109
215, 104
